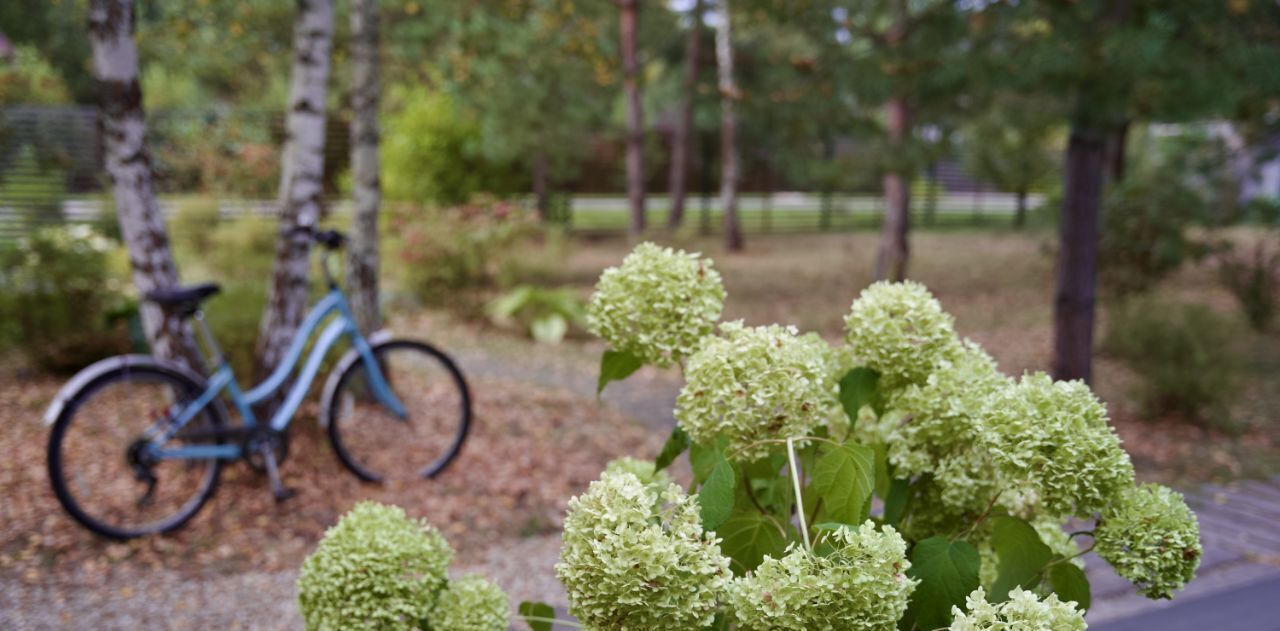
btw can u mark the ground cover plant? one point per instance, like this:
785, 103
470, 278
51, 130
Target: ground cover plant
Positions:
897, 480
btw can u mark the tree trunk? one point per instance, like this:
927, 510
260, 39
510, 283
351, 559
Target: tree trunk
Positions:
541, 188
704, 181
891, 263
1078, 254
362, 260
301, 186
627, 24
1116, 149
1020, 213
680, 135
728, 131
128, 164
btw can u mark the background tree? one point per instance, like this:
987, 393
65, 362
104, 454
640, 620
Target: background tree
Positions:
366, 188
628, 36
1013, 145
301, 185
128, 165
680, 145
728, 128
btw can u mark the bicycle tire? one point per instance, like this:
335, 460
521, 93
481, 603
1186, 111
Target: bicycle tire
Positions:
128, 369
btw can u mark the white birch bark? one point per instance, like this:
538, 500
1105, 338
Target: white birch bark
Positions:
128, 165
362, 262
728, 129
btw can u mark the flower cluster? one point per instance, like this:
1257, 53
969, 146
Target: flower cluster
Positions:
900, 330
644, 470
862, 584
1054, 438
471, 603
1151, 538
1022, 611
657, 305
628, 562
753, 383
375, 569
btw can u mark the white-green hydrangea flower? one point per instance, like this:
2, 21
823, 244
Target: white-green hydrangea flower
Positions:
861, 585
375, 569
755, 383
1053, 438
1151, 538
643, 469
900, 330
941, 426
636, 559
471, 603
1022, 612
657, 305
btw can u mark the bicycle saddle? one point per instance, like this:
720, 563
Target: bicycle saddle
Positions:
184, 299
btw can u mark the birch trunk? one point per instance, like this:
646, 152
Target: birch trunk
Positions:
891, 263
128, 165
728, 130
362, 260
1078, 255
680, 136
301, 185
627, 33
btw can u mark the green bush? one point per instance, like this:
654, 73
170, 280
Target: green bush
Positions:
433, 253
67, 307
1147, 231
1253, 277
545, 313
193, 223
1183, 354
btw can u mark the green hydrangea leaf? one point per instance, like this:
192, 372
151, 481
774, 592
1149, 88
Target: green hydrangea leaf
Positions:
676, 443
716, 495
616, 366
844, 478
1021, 553
858, 387
948, 572
1070, 584
895, 501
537, 610
747, 537
704, 458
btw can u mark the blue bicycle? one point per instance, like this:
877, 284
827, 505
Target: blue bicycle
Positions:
137, 443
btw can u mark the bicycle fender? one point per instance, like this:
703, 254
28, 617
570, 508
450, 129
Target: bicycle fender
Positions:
100, 368
348, 358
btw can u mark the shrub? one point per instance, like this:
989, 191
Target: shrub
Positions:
1183, 353
194, 222
1146, 231
545, 313
1254, 279
68, 309
375, 569
974, 504
433, 253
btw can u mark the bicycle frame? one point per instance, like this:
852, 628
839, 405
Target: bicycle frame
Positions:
223, 380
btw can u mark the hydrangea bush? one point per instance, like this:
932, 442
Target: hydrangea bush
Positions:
379, 569
935, 497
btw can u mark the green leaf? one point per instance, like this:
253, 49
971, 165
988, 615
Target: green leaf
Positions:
895, 502
747, 537
675, 445
948, 572
1021, 553
883, 478
1070, 583
616, 366
703, 458
858, 388
549, 328
844, 478
716, 495
537, 610
832, 526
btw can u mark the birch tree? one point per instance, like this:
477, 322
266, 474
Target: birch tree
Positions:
728, 130
684, 123
362, 262
128, 165
301, 184
628, 27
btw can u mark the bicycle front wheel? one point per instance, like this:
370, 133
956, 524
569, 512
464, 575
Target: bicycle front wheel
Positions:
379, 446
98, 461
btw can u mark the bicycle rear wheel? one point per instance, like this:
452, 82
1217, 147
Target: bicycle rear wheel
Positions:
378, 446
97, 458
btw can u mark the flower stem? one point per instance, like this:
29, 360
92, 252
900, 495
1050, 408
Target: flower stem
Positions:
795, 479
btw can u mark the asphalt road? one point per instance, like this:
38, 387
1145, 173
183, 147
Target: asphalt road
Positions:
1254, 607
